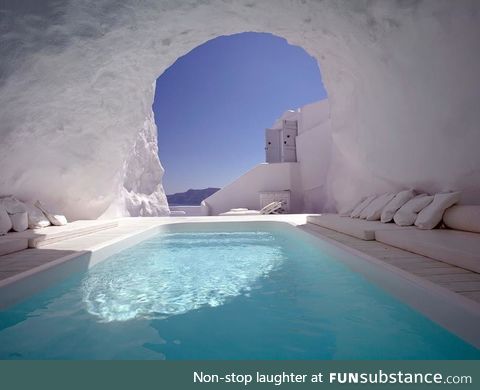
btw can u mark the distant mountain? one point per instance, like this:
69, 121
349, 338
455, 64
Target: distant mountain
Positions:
190, 197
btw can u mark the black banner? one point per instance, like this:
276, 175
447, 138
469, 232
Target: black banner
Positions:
68, 375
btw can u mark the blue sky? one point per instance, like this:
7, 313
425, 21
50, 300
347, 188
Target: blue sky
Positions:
213, 105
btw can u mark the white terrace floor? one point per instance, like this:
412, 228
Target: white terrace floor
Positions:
455, 279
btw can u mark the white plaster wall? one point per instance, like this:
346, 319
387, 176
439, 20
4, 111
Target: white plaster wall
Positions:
312, 115
290, 115
244, 191
76, 89
314, 155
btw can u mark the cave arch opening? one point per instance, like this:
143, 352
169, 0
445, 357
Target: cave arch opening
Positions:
213, 104
77, 78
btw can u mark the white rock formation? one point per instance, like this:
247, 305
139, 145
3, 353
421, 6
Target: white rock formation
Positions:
76, 92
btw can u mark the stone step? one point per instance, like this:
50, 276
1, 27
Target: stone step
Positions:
38, 238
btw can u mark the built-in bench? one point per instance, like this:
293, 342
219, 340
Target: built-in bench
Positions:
450, 246
355, 227
10, 245
455, 247
37, 238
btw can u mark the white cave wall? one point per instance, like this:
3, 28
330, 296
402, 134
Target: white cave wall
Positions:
76, 92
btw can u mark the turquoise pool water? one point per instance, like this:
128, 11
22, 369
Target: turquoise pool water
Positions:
251, 294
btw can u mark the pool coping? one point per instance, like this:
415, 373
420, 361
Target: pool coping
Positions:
438, 297
20, 286
24, 284
440, 304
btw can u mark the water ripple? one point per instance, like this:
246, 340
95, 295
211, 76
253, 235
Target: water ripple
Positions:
174, 274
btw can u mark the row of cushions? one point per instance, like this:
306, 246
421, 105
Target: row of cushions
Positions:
18, 216
395, 204
404, 208
408, 213
374, 207
373, 211
432, 215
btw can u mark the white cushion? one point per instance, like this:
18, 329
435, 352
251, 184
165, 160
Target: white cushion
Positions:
5, 222
347, 210
374, 210
17, 212
36, 219
394, 205
13, 205
356, 212
58, 219
19, 221
407, 214
55, 219
432, 215
463, 217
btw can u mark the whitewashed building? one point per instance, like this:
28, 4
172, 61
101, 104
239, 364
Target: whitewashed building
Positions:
297, 155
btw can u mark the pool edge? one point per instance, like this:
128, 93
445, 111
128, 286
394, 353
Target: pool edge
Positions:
448, 309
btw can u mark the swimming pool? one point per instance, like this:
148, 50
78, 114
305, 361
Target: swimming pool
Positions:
222, 291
